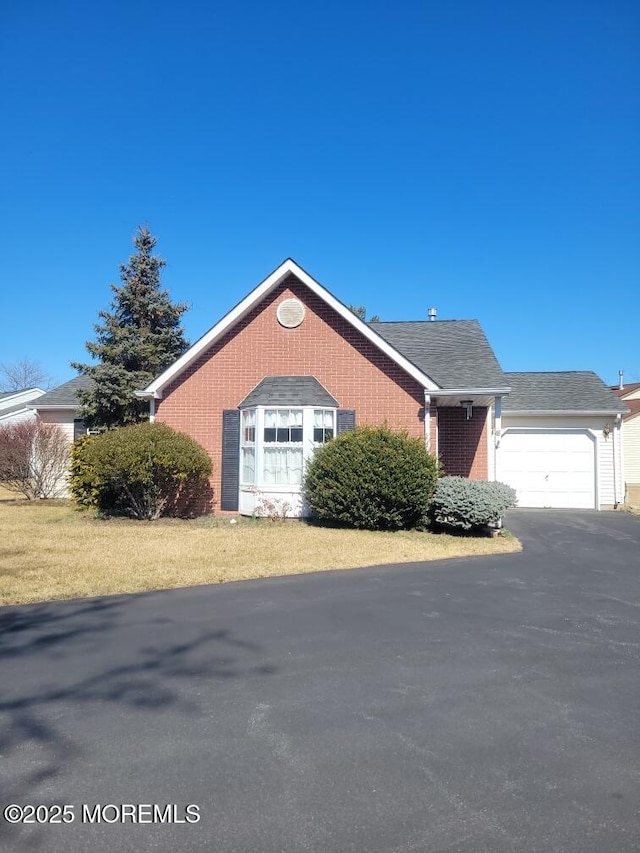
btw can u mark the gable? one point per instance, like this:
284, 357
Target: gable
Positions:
288, 271
325, 346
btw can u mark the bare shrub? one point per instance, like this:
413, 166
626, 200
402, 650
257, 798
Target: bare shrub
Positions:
34, 457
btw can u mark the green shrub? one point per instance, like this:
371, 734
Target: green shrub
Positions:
142, 471
82, 477
372, 478
464, 504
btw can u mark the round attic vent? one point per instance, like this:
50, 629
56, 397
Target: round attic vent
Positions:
290, 313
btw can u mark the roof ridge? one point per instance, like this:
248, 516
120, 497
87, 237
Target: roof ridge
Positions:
426, 322
546, 372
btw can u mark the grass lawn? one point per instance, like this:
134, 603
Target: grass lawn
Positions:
49, 550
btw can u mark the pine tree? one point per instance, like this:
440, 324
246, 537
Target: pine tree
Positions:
135, 341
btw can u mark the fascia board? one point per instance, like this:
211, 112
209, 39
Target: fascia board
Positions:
485, 392
242, 308
545, 413
4, 414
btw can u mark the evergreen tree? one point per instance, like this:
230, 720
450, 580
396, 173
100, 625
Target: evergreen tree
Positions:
135, 341
361, 312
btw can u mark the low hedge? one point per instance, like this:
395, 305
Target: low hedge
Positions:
462, 504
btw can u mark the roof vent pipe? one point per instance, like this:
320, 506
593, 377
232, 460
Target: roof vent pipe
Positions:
432, 313
621, 383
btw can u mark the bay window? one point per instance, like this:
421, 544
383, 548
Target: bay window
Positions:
275, 443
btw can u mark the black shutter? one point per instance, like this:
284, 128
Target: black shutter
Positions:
346, 420
230, 483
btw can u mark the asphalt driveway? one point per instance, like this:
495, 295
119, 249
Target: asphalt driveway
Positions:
487, 704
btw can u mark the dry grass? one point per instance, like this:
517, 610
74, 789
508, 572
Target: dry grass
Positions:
48, 550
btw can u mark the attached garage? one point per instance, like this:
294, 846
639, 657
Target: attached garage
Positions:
550, 468
559, 443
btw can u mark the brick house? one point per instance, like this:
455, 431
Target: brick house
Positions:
291, 366
291, 327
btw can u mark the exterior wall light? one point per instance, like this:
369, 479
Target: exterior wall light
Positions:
467, 405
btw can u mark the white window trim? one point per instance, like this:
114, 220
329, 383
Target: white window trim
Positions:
308, 445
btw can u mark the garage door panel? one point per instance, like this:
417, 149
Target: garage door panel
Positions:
549, 469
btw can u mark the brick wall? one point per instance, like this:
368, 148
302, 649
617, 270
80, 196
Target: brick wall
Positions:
462, 443
352, 369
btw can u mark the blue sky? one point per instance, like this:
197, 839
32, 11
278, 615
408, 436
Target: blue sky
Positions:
482, 157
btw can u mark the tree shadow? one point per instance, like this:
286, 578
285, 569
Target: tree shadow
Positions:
62, 659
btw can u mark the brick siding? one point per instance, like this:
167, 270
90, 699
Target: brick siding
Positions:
462, 444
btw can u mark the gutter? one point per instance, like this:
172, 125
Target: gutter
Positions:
64, 406
456, 392
608, 413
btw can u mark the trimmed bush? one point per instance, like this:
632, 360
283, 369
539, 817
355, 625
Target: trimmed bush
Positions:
142, 471
371, 478
464, 504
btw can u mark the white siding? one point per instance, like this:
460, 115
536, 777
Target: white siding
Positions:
64, 419
631, 439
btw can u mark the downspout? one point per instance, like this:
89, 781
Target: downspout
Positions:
427, 420
616, 501
497, 434
152, 410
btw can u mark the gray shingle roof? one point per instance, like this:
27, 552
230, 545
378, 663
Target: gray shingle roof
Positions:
563, 391
64, 396
289, 391
454, 353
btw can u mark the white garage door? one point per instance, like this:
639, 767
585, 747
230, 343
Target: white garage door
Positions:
549, 468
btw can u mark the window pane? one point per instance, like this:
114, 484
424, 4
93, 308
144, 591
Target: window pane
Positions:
269, 435
323, 425
283, 466
282, 434
296, 434
270, 418
248, 465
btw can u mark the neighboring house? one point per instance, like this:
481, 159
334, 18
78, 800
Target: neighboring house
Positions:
61, 406
630, 395
291, 366
14, 405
